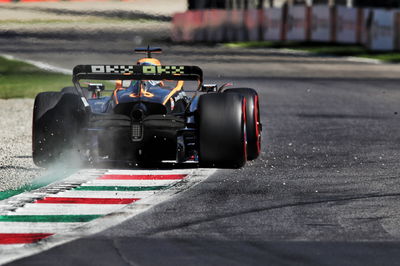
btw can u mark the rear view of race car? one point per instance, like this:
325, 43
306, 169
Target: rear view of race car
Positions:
146, 118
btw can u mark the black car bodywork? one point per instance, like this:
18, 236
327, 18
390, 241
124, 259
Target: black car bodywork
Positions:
146, 122
137, 125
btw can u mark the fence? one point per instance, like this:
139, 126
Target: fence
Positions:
377, 29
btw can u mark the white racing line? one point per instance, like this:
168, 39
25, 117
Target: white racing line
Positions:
86, 202
39, 64
347, 58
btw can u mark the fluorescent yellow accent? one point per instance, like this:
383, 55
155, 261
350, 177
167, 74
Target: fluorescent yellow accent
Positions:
176, 70
149, 70
163, 70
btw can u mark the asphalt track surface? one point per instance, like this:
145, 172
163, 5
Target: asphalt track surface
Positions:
324, 192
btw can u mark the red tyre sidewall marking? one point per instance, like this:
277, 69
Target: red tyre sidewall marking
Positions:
256, 118
245, 131
33, 132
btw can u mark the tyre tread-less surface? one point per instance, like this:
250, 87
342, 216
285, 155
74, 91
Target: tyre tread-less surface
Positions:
222, 130
253, 124
57, 118
69, 89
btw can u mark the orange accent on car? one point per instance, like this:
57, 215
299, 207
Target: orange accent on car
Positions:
178, 87
115, 96
118, 84
142, 92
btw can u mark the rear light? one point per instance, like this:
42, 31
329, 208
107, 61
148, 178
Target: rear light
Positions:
137, 131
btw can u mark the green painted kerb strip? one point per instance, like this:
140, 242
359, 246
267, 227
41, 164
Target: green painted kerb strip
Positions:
42, 181
10, 193
48, 218
119, 188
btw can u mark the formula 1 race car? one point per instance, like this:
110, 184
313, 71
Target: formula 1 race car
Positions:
146, 118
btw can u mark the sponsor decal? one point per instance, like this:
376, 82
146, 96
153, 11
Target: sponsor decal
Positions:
118, 69
180, 96
146, 70
85, 102
158, 70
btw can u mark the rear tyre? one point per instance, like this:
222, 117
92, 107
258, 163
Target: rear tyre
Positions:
253, 126
57, 119
73, 90
222, 130
70, 90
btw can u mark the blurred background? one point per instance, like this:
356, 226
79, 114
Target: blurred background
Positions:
372, 24
329, 106
198, 4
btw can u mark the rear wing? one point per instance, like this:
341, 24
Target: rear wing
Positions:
135, 72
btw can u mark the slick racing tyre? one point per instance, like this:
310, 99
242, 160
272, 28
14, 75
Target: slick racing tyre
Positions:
253, 125
70, 90
57, 118
222, 130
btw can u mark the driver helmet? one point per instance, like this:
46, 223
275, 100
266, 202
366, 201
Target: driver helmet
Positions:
150, 62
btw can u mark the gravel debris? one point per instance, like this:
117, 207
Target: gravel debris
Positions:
16, 165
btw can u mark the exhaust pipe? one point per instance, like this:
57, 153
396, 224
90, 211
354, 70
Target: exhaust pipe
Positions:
138, 112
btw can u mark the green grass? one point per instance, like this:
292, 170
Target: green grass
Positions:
323, 49
23, 80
